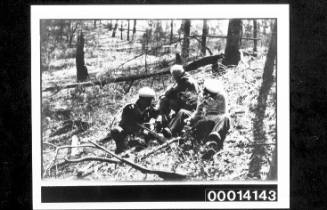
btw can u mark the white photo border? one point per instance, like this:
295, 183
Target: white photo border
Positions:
215, 11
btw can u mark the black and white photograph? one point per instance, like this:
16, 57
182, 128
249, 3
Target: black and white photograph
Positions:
147, 99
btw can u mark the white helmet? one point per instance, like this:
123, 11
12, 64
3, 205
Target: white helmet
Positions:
147, 92
177, 70
213, 86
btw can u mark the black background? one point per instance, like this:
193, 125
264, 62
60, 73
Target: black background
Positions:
145, 193
308, 101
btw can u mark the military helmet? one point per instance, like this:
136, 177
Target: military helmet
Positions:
213, 86
177, 70
147, 92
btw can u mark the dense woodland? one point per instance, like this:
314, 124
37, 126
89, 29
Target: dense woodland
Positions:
92, 68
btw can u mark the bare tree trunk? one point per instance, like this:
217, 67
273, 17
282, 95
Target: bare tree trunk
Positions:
259, 134
82, 73
72, 31
127, 30
121, 30
232, 55
61, 30
110, 25
255, 35
178, 59
186, 40
171, 31
94, 23
115, 29
204, 37
272, 175
134, 29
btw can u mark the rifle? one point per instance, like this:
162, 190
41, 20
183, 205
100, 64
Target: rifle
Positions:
154, 150
157, 136
163, 174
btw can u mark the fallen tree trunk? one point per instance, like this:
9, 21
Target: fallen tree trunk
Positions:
203, 62
189, 67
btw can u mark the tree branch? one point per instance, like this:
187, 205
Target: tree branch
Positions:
197, 39
92, 159
52, 164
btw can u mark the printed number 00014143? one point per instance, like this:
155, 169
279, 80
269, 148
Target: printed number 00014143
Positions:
241, 195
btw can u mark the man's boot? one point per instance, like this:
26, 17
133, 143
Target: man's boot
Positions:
215, 137
119, 137
212, 146
167, 133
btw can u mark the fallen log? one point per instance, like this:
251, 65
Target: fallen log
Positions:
203, 62
166, 175
189, 67
225, 37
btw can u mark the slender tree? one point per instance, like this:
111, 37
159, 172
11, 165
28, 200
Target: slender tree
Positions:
171, 31
232, 54
61, 29
259, 151
72, 29
121, 30
134, 29
255, 35
272, 175
82, 73
186, 38
127, 30
115, 29
204, 37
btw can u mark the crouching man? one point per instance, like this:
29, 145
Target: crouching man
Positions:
133, 114
182, 95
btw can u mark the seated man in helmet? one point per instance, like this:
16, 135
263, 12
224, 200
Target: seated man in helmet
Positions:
182, 95
133, 114
209, 121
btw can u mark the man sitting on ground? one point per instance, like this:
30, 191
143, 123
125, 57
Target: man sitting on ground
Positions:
182, 95
209, 121
133, 114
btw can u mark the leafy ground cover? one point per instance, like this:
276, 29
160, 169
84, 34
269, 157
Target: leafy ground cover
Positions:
90, 112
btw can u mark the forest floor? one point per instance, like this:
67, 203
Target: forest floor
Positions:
99, 108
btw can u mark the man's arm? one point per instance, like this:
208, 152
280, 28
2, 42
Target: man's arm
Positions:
127, 114
199, 112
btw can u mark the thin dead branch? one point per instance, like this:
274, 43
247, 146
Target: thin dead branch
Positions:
199, 40
53, 162
163, 174
101, 159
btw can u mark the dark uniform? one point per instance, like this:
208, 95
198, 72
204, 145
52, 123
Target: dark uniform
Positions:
183, 95
131, 116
